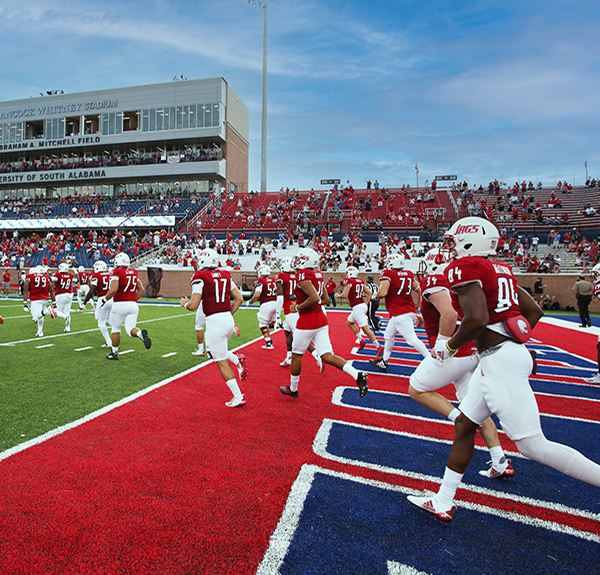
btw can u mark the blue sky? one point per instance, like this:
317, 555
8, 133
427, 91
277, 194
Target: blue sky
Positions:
357, 90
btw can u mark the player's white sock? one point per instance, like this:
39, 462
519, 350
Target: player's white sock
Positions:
232, 384
294, 381
351, 370
234, 359
454, 414
288, 356
114, 349
450, 483
497, 454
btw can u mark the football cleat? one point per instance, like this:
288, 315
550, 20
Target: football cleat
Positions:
67, 329
106, 345
268, 345
146, 339
362, 383
198, 352
243, 366
380, 364
51, 311
236, 402
39, 334
286, 362
428, 503
498, 470
362, 344
593, 379
285, 389
112, 355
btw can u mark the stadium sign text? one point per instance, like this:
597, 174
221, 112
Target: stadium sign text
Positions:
60, 109
77, 141
52, 176
329, 182
445, 178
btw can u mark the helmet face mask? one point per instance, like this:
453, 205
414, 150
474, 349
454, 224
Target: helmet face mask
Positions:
208, 258
470, 236
306, 258
352, 272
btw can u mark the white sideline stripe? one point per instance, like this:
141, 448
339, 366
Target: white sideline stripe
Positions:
338, 392
569, 325
43, 346
84, 348
169, 354
401, 569
320, 448
87, 330
290, 518
126, 351
59, 430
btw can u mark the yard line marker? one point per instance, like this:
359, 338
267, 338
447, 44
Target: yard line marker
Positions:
169, 354
42, 346
84, 348
126, 351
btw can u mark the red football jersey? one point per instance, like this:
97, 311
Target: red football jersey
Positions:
357, 290
39, 286
268, 289
495, 278
84, 278
597, 290
215, 287
431, 316
399, 299
102, 282
313, 317
127, 278
63, 283
288, 281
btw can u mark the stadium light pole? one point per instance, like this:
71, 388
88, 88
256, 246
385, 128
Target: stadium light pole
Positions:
263, 148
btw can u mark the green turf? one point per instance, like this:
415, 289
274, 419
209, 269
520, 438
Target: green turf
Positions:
41, 389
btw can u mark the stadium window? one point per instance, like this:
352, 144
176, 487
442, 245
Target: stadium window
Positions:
34, 130
72, 126
92, 124
207, 115
160, 114
215, 114
192, 111
130, 121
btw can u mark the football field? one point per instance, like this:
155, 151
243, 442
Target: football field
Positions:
137, 466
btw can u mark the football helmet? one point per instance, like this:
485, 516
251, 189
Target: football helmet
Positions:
351, 272
395, 262
306, 258
434, 262
470, 236
208, 258
80, 269
286, 265
263, 270
122, 260
100, 266
596, 273
63, 268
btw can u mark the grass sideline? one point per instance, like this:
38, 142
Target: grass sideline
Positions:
46, 383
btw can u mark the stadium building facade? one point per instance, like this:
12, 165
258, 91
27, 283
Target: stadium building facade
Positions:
182, 134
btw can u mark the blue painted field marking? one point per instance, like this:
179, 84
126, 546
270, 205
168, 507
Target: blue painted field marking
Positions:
324, 528
424, 458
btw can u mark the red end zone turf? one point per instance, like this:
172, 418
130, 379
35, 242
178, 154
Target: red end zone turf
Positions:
175, 482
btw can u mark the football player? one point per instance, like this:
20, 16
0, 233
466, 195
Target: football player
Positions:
358, 295
220, 298
497, 315
439, 318
312, 323
63, 282
286, 287
396, 287
125, 289
99, 286
83, 286
38, 288
265, 292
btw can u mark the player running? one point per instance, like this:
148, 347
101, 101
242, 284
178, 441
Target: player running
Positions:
38, 288
214, 288
265, 292
99, 286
